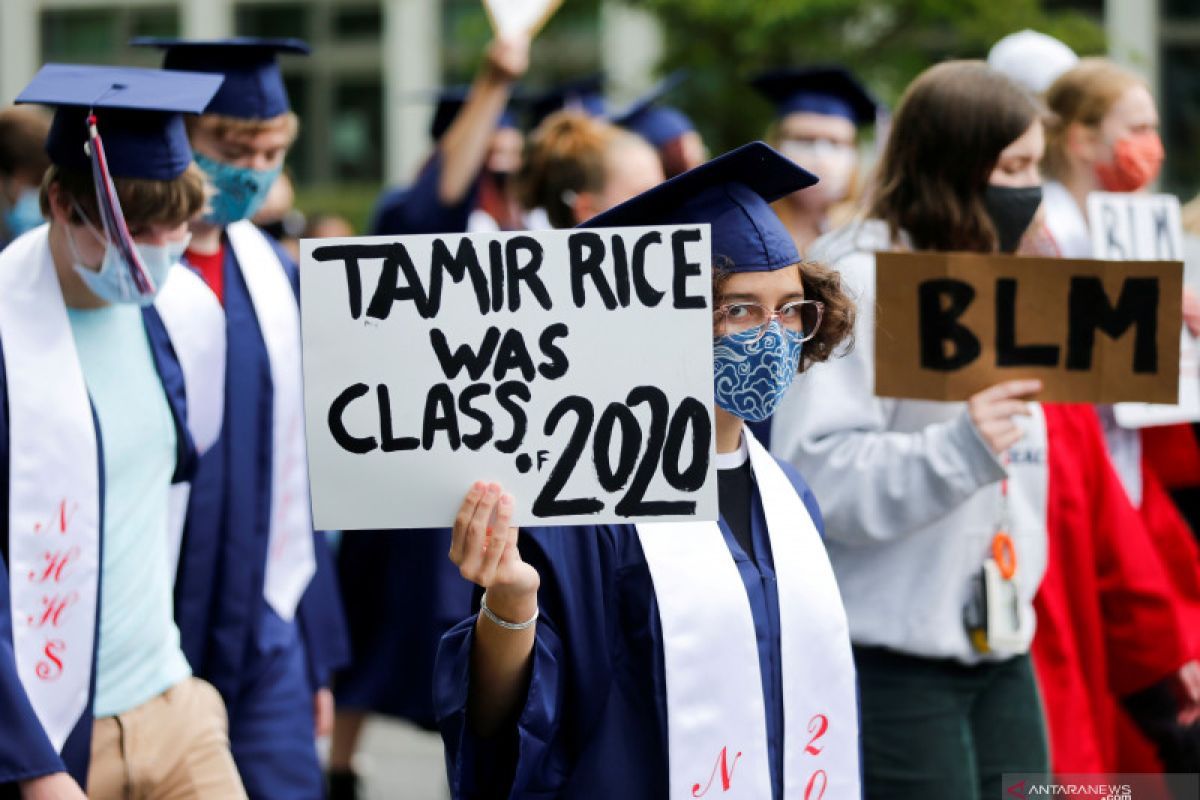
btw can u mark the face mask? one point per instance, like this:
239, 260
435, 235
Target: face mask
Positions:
1011, 210
113, 282
241, 191
1137, 158
751, 377
24, 215
831, 162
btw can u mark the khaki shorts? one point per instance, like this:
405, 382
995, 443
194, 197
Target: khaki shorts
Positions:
173, 747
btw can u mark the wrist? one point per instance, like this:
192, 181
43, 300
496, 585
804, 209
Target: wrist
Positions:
512, 605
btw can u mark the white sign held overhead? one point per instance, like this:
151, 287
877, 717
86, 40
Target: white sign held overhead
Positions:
510, 17
572, 367
1129, 227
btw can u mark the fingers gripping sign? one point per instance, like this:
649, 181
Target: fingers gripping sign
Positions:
994, 410
484, 545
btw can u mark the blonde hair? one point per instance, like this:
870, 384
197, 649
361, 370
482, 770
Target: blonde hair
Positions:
567, 154
220, 126
1082, 95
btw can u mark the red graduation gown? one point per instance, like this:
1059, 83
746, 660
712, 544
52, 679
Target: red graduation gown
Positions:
1109, 621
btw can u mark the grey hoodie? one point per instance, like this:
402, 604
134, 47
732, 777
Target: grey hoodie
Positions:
909, 490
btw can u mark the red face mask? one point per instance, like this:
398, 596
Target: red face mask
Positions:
1137, 159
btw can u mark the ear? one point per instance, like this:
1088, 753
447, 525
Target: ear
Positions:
585, 207
1083, 142
60, 206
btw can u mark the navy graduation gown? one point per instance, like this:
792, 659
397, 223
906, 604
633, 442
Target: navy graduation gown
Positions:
594, 723
25, 751
220, 606
416, 209
401, 595
400, 591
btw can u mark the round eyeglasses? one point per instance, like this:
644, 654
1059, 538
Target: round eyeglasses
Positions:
802, 317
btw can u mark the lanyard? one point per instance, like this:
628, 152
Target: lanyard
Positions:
1004, 552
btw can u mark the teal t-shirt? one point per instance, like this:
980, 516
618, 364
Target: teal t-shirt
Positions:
138, 653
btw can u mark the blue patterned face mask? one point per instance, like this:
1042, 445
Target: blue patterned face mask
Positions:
241, 191
751, 377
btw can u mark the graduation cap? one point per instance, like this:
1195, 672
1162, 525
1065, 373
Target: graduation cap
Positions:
584, 94
137, 114
828, 90
450, 101
732, 193
253, 87
654, 122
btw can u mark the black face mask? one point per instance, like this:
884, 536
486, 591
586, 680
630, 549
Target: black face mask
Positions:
1011, 210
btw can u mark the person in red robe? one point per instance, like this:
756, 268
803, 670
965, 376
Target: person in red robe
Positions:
1110, 621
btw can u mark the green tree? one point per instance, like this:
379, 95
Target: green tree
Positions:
885, 42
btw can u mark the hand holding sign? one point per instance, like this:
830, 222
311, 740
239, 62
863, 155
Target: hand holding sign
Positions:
519, 17
992, 411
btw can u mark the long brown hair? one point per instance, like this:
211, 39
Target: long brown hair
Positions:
952, 123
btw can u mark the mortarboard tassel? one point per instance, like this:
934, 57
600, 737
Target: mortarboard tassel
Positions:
111, 216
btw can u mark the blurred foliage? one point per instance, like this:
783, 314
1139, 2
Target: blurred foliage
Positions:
566, 48
353, 201
885, 42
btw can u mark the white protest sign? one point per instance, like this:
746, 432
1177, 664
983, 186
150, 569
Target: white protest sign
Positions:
509, 17
1128, 227
573, 367
1135, 227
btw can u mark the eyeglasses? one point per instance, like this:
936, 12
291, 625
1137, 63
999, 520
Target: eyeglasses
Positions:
799, 316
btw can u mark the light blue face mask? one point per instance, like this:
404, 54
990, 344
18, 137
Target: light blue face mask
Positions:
113, 282
751, 377
23, 215
241, 191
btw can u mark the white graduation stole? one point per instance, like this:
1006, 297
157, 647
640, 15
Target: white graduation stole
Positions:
195, 323
291, 562
716, 722
54, 481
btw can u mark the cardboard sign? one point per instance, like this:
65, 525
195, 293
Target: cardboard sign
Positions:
572, 367
509, 17
1147, 226
951, 324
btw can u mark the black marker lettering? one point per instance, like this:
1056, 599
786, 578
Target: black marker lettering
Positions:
685, 269
474, 441
337, 428
391, 443
1008, 352
440, 416
475, 361
558, 364
458, 266
941, 302
527, 274
1089, 311
587, 261
513, 354
506, 393
647, 294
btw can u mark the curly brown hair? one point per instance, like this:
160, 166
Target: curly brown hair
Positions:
823, 284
